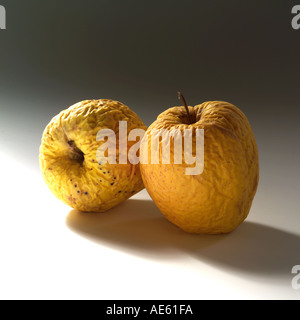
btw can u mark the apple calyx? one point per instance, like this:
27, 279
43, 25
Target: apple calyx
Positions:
182, 99
77, 154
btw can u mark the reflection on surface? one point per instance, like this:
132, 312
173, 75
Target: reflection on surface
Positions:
138, 227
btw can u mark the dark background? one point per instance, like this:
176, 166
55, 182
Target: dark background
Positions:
56, 53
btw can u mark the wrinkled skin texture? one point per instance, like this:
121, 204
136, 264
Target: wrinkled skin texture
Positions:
218, 200
68, 157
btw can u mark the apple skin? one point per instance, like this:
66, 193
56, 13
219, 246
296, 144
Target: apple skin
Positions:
68, 157
218, 200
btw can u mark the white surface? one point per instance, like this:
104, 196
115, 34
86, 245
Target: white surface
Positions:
50, 252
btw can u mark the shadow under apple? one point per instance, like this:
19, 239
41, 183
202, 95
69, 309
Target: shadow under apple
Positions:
137, 227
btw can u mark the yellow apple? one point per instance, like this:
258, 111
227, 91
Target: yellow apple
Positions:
69, 160
219, 198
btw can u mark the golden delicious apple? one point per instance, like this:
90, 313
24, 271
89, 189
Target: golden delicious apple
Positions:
71, 166
217, 199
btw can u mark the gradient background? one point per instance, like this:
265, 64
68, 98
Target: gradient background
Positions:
56, 53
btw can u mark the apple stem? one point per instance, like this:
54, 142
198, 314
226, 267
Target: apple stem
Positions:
181, 97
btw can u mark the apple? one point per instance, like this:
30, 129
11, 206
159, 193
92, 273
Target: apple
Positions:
71, 166
218, 198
